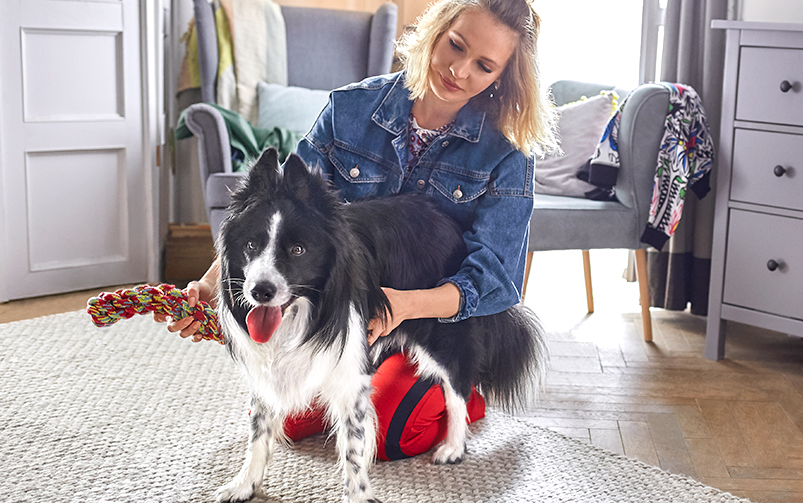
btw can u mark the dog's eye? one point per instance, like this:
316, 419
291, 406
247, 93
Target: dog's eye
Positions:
251, 246
297, 250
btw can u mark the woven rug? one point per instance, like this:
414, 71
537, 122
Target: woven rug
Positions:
132, 413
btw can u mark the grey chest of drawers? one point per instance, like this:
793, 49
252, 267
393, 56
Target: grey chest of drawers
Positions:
757, 256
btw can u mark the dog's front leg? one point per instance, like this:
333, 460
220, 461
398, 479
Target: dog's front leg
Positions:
356, 440
264, 429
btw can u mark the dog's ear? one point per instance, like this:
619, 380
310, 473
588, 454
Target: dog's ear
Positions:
298, 178
264, 174
266, 169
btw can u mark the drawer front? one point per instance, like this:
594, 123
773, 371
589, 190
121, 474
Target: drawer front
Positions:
756, 154
760, 98
753, 240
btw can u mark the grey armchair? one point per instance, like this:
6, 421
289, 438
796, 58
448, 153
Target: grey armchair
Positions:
326, 49
568, 223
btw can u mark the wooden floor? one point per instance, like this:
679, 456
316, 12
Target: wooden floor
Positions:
736, 424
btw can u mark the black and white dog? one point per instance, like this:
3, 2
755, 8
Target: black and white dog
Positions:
301, 276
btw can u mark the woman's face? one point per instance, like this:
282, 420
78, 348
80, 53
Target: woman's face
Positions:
469, 56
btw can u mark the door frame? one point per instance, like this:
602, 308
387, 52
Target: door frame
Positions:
152, 15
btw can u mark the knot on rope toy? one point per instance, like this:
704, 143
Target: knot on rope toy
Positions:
108, 308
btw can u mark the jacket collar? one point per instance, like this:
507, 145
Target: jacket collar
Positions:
392, 114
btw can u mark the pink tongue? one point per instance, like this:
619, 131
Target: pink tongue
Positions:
262, 322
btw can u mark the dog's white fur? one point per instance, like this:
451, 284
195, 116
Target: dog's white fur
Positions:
286, 377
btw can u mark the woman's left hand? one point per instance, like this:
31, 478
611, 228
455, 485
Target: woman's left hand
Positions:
378, 327
439, 302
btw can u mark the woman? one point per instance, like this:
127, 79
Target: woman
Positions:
460, 123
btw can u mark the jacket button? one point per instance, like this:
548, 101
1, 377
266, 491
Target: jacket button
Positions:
355, 172
457, 193
421, 184
445, 143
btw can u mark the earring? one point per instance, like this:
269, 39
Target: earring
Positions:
494, 90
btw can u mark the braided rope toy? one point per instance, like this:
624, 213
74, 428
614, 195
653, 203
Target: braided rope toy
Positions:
108, 308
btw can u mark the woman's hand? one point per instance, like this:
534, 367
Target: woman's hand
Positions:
439, 302
202, 290
378, 327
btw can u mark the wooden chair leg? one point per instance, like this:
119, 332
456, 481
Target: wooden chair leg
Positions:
587, 273
526, 274
644, 292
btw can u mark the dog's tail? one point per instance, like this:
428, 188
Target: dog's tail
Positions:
516, 358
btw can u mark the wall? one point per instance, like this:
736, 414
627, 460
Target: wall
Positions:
774, 11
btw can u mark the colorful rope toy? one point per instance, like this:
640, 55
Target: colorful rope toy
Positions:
108, 308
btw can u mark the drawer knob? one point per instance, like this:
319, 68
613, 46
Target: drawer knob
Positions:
773, 265
779, 171
786, 86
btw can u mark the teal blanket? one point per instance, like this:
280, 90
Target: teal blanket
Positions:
247, 142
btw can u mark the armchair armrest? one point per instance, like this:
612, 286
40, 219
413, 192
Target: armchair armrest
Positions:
214, 154
208, 126
640, 132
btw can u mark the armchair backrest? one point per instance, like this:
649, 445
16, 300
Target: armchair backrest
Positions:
567, 91
326, 48
640, 132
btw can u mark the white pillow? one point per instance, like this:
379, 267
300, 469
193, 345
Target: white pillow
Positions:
580, 127
289, 107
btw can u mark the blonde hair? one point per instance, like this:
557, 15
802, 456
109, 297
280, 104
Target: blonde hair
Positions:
521, 107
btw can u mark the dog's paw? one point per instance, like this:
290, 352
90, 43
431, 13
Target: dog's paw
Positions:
234, 491
449, 454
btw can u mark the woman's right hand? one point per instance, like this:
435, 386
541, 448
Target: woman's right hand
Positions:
201, 290
196, 291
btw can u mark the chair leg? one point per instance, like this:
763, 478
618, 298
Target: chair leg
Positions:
644, 292
587, 274
527, 266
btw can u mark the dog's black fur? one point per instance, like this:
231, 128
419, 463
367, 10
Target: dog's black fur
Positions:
351, 251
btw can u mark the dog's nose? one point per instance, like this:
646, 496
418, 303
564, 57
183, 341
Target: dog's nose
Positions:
263, 292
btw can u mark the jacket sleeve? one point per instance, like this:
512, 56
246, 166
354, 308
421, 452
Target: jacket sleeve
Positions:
491, 277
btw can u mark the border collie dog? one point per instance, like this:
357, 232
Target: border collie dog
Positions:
301, 277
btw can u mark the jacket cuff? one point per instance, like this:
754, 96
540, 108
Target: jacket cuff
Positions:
702, 185
469, 298
654, 238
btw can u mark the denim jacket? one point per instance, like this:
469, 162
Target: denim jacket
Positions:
472, 171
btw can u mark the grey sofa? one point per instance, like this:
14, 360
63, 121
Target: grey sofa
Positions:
570, 223
326, 49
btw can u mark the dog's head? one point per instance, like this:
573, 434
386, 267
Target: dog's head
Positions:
275, 244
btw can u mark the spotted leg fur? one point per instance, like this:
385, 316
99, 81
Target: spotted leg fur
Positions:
453, 448
356, 442
260, 445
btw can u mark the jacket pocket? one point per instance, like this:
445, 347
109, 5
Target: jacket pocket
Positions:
459, 188
358, 176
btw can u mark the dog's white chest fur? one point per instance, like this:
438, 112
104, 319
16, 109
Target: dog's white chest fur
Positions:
288, 375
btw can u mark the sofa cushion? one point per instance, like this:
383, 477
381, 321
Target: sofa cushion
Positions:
580, 127
289, 107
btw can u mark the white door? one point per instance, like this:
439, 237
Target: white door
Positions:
76, 206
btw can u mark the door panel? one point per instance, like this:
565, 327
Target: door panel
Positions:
73, 170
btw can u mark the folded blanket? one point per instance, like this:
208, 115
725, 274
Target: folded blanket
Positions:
260, 52
247, 142
685, 159
252, 48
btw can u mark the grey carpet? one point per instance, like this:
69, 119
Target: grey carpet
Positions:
132, 413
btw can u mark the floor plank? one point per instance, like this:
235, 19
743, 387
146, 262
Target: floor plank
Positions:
637, 441
667, 437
